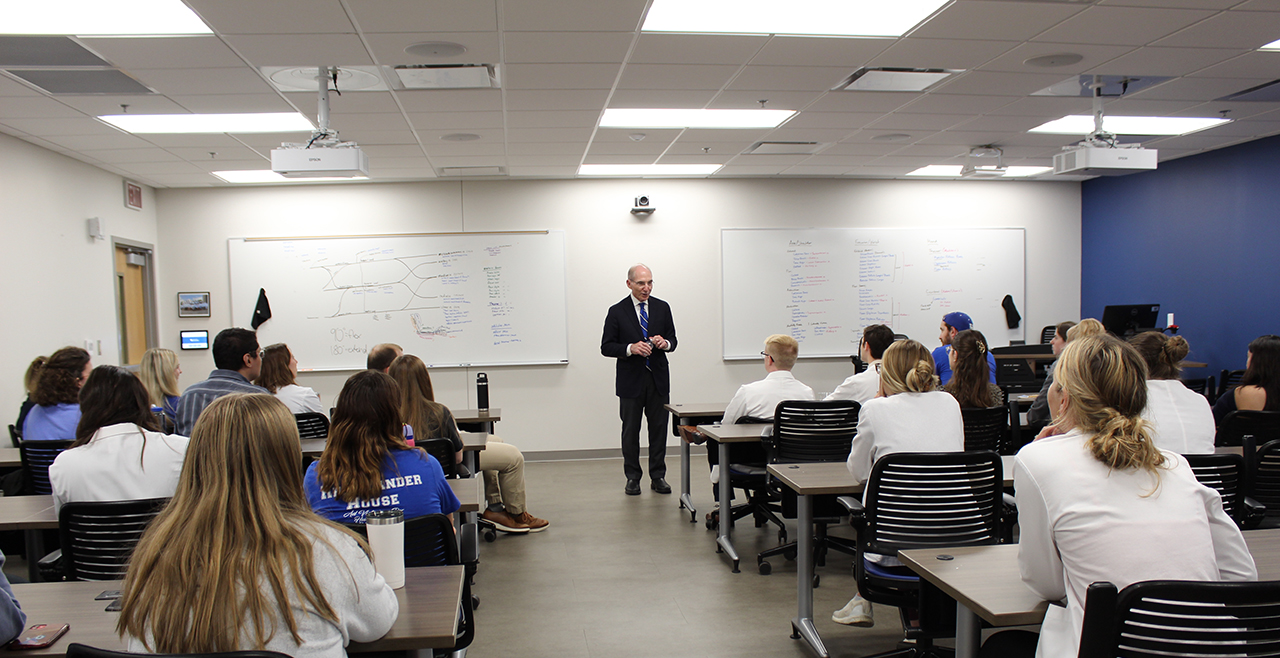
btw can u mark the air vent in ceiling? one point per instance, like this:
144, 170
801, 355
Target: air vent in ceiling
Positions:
447, 76
28, 52
471, 171
81, 82
894, 79
784, 148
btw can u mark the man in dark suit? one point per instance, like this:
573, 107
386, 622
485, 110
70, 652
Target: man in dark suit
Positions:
638, 332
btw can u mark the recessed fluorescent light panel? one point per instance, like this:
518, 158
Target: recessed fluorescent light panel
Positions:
1082, 124
662, 118
97, 18
1274, 45
894, 79
648, 170
953, 171
832, 18
270, 122
268, 176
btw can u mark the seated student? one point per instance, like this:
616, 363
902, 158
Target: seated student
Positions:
279, 376
118, 453
12, 619
501, 464
367, 465
381, 355
952, 324
1098, 501
970, 382
1259, 390
1181, 419
238, 361
29, 385
57, 397
159, 373
759, 399
864, 385
1039, 411
911, 415
237, 560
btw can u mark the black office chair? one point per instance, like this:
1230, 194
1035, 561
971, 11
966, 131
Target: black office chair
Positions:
15, 435
77, 650
1225, 474
923, 500
442, 449
429, 541
312, 426
811, 431
1248, 429
747, 473
1181, 618
1047, 334
98, 538
985, 429
1227, 380
1200, 385
37, 456
1264, 481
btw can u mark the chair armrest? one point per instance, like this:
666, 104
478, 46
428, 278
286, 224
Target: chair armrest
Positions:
851, 505
468, 544
50, 567
1254, 513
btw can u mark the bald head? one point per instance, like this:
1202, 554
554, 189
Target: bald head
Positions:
640, 281
381, 356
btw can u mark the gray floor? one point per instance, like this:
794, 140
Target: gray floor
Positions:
618, 575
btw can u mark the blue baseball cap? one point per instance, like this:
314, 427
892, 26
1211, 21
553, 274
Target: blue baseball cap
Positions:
961, 321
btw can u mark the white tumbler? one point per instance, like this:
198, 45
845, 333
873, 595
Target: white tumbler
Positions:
386, 539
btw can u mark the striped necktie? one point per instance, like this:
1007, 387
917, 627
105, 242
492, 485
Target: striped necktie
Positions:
644, 327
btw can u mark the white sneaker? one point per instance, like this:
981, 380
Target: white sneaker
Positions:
715, 474
857, 612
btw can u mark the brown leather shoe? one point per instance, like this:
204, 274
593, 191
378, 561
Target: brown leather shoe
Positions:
533, 523
505, 522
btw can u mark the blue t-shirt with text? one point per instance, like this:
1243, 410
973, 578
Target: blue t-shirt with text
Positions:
412, 481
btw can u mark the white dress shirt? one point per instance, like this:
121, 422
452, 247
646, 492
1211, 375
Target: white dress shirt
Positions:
905, 422
1182, 420
1083, 522
759, 399
860, 387
114, 465
300, 400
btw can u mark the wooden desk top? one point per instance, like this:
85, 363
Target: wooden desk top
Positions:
1264, 545
27, 513
10, 458
691, 410
815, 479
428, 612
744, 433
491, 415
468, 492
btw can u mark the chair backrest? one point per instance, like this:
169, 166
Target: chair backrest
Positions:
1228, 379
36, 458
1243, 428
1047, 334
442, 449
1181, 618
814, 430
77, 650
312, 425
1224, 474
15, 435
1197, 384
985, 429
926, 499
1264, 481
98, 538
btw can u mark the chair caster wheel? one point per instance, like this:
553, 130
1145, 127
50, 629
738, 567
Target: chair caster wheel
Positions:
790, 555
475, 602
765, 568
490, 536
816, 579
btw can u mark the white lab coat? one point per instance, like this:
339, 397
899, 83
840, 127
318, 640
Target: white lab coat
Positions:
114, 466
1182, 420
759, 399
905, 422
860, 387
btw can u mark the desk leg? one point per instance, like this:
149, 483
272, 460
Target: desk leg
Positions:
802, 626
35, 552
723, 542
968, 632
685, 501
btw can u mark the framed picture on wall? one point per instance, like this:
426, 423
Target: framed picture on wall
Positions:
132, 195
193, 304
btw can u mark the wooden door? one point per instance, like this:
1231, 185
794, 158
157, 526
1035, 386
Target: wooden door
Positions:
131, 298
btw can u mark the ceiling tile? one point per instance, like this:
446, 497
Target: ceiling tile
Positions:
301, 49
612, 158
823, 135
388, 49
1165, 61
466, 161
677, 98
451, 100
676, 76
908, 122
732, 170
424, 15
255, 163
1230, 29
408, 173
544, 159
380, 136
552, 119
790, 78
956, 104
346, 103
184, 180
469, 148
696, 48
563, 99
566, 47
10, 87
1012, 21
805, 51
232, 103
862, 101
1234, 110
574, 15
144, 168
101, 105
1178, 4
418, 161
548, 134
1132, 26
392, 150
123, 156
844, 120
223, 153
746, 159
552, 148
1198, 88
543, 172
624, 134
38, 107
165, 53
649, 147
273, 16
202, 142
1045, 106
864, 149
817, 170
1093, 55
941, 53
1007, 124
777, 100
1150, 108
715, 149
431, 137
704, 136
461, 121
369, 120
997, 83
196, 82
1250, 65
559, 76
43, 127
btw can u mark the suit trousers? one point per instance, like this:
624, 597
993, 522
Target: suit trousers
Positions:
648, 405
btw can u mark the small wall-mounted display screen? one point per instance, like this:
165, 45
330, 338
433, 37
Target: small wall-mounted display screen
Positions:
195, 340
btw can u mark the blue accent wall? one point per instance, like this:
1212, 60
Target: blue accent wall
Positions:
1201, 237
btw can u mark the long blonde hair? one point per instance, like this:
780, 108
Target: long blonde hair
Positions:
159, 373
907, 368
234, 546
1105, 381
418, 406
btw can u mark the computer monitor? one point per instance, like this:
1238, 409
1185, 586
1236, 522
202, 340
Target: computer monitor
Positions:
1125, 321
195, 340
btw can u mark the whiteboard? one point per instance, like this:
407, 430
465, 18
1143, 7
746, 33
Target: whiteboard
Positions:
823, 286
452, 299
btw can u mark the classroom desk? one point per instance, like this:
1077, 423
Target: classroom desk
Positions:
691, 414
10, 458
428, 613
818, 479
472, 442
727, 434
32, 515
484, 418
987, 586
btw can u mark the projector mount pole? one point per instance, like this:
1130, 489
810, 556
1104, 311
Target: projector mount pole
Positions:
323, 75
1099, 136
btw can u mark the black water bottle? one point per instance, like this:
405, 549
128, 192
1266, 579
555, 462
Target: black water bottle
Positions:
482, 391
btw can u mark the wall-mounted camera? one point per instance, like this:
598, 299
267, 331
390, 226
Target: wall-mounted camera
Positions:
643, 205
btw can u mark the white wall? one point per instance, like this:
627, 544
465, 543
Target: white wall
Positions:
61, 283
573, 407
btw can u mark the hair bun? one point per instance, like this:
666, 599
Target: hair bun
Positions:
1176, 349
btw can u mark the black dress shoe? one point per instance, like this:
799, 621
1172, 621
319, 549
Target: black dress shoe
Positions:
633, 488
660, 485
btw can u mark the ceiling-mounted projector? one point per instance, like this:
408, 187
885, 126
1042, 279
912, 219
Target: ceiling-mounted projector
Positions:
296, 161
1089, 160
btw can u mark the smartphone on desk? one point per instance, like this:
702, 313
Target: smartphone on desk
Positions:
39, 636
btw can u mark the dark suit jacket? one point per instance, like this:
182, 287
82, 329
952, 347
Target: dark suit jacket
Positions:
621, 328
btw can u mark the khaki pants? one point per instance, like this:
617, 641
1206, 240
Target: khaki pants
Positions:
502, 466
